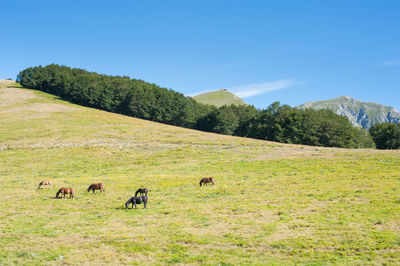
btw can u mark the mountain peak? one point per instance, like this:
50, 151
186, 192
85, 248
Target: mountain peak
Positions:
362, 114
347, 98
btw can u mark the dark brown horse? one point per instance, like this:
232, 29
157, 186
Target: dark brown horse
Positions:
142, 191
206, 180
44, 183
137, 200
64, 191
94, 187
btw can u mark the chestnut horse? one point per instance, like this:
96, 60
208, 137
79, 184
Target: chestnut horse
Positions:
64, 191
94, 187
142, 191
44, 183
206, 180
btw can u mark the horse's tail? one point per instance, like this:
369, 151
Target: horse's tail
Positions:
58, 193
201, 181
89, 188
39, 185
72, 193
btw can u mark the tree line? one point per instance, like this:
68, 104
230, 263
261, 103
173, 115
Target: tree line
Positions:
137, 98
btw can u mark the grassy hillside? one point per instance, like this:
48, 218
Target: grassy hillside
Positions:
219, 98
272, 203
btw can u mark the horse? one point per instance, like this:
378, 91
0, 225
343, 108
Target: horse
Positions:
137, 200
64, 191
206, 180
142, 191
94, 187
44, 183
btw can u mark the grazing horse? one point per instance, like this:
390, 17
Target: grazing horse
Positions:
206, 180
136, 200
44, 183
94, 187
142, 191
64, 191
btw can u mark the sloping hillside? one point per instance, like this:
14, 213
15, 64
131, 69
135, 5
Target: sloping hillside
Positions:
219, 98
359, 113
272, 203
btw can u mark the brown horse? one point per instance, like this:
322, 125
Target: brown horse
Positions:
44, 183
64, 191
94, 187
206, 180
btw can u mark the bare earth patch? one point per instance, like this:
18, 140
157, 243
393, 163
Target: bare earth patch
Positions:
11, 96
41, 108
6, 82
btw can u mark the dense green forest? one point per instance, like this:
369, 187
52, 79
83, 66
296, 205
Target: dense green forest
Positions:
144, 100
386, 135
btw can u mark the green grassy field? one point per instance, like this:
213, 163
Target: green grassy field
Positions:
219, 98
272, 203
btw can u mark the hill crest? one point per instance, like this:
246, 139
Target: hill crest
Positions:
219, 98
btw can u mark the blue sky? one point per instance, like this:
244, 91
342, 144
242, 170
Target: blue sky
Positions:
265, 51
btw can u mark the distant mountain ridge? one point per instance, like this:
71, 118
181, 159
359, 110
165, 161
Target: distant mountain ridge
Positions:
219, 98
360, 113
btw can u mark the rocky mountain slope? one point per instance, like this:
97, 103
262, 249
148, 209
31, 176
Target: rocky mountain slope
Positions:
360, 113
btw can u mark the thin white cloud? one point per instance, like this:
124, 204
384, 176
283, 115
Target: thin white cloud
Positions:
391, 63
251, 90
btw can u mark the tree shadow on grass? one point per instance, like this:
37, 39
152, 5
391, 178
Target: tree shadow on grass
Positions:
14, 86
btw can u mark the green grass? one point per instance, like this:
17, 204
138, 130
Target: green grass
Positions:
219, 98
272, 203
